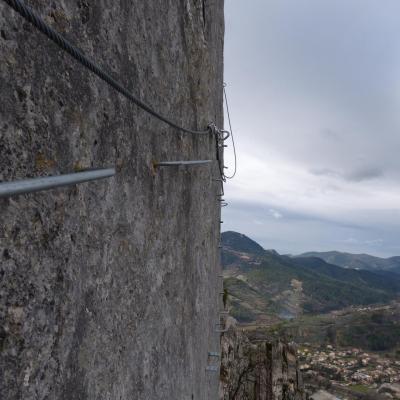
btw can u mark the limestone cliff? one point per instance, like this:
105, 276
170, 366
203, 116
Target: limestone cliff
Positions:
258, 371
109, 289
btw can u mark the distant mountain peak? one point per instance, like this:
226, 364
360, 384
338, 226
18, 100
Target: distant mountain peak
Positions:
272, 251
241, 243
264, 285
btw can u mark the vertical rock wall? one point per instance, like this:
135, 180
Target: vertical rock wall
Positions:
109, 290
258, 371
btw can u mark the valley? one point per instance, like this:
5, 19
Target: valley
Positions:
265, 287
345, 322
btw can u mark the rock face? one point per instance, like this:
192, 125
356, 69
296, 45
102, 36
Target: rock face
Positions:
109, 290
258, 371
390, 389
323, 395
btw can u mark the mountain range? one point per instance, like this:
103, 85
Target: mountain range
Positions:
265, 287
357, 261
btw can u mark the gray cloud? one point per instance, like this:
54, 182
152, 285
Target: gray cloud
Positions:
309, 67
324, 172
310, 84
275, 214
298, 232
362, 174
330, 134
358, 174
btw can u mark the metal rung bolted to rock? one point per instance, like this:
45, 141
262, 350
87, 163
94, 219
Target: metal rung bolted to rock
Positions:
51, 182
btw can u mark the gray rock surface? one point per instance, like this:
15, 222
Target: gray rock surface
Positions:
323, 395
109, 290
258, 371
393, 389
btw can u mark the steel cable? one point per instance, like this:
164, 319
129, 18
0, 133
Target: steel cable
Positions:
27, 13
231, 131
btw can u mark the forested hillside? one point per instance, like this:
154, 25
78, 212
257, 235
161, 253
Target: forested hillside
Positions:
266, 286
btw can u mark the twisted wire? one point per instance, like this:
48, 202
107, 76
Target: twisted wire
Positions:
27, 13
231, 132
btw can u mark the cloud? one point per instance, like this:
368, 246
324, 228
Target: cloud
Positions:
358, 174
351, 240
330, 134
374, 242
363, 174
275, 214
301, 232
306, 101
324, 172
368, 242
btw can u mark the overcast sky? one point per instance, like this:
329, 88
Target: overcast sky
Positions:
314, 92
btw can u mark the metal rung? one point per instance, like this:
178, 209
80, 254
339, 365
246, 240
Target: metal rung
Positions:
213, 368
221, 330
224, 312
178, 163
213, 354
51, 182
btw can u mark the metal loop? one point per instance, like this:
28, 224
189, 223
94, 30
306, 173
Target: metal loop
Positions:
223, 138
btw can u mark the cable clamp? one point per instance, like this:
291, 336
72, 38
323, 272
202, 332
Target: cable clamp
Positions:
213, 128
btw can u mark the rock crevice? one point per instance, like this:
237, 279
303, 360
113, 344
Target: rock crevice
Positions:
260, 370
